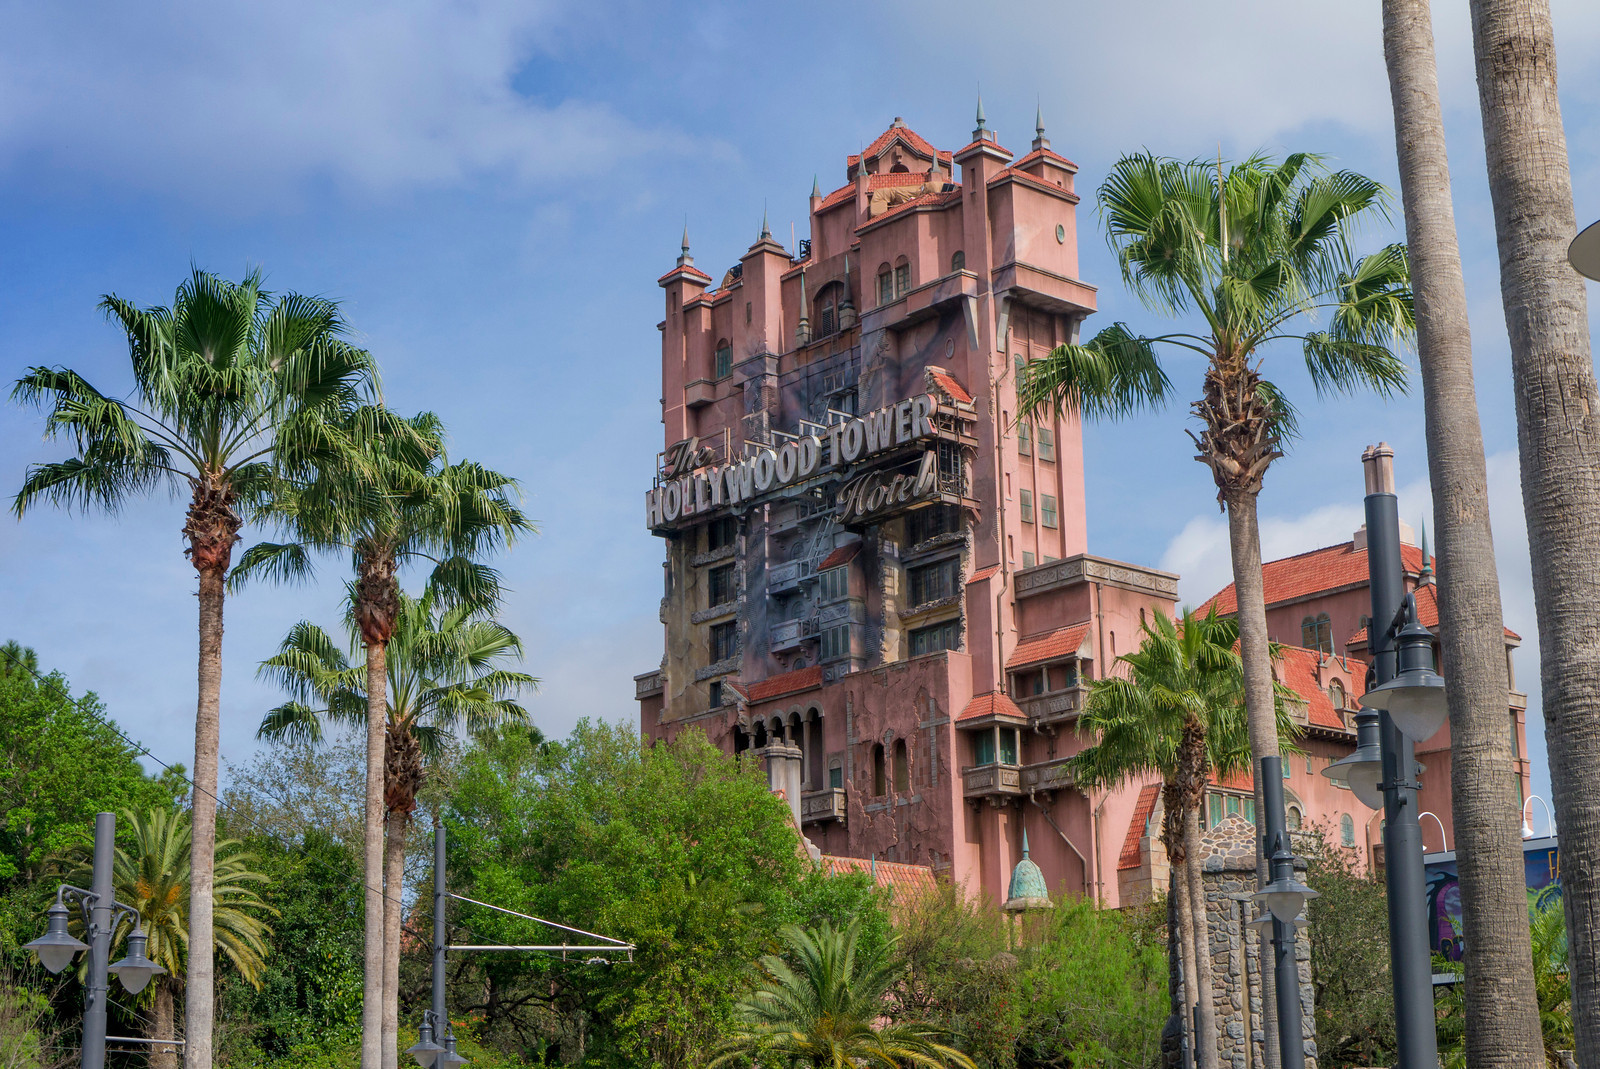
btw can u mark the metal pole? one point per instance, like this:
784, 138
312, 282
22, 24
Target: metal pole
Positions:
99, 939
1286, 973
1410, 965
441, 1022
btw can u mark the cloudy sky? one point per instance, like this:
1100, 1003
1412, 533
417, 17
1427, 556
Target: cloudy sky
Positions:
492, 188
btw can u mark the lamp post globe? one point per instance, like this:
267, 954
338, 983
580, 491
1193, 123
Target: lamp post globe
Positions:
425, 1050
1362, 771
448, 1058
135, 970
56, 947
1414, 698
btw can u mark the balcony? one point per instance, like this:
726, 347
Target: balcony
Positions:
1058, 707
817, 807
994, 782
786, 576
699, 393
647, 684
1047, 776
788, 634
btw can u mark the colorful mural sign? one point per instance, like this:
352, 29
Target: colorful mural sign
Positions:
1541, 863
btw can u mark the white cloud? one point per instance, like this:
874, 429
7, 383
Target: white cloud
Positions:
228, 102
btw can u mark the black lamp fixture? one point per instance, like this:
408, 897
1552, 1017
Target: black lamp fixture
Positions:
135, 970
448, 1058
1362, 771
1414, 698
56, 947
425, 1050
1285, 896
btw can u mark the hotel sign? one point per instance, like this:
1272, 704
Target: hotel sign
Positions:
689, 488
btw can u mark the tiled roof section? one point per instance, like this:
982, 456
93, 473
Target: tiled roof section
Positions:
907, 881
997, 146
1148, 795
914, 140
838, 196
1238, 781
684, 270
1427, 615
949, 385
843, 555
1297, 670
991, 704
1315, 572
1050, 646
983, 573
787, 683
893, 180
1030, 180
1046, 154
923, 200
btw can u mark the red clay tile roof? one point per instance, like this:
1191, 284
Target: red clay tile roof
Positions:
984, 144
914, 140
843, 555
1239, 781
838, 196
1031, 180
1297, 670
1314, 572
906, 880
1148, 794
984, 573
1062, 642
685, 269
787, 683
991, 704
949, 385
1427, 615
894, 180
922, 200
1045, 154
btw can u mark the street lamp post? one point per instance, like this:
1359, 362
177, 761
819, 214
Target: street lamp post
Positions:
101, 915
1284, 897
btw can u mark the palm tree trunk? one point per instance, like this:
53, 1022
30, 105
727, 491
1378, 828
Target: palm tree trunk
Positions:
372, 869
1255, 651
1191, 971
1558, 439
1200, 932
1502, 1010
200, 974
164, 1056
393, 879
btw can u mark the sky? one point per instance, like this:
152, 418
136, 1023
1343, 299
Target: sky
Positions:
491, 190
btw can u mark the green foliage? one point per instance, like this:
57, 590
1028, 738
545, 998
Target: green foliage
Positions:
1349, 956
1552, 984
960, 972
25, 1039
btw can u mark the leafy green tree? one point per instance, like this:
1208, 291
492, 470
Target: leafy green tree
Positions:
822, 1004
394, 502
1178, 713
443, 670
151, 872
228, 384
677, 848
1258, 255
1349, 933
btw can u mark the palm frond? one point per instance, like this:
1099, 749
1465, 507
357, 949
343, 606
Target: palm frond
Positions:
1114, 374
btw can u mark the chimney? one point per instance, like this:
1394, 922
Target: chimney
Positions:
1378, 461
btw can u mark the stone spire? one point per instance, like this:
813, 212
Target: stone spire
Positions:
982, 132
847, 305
1426, 578
1039, 140
684, 259
816, 187
766, 232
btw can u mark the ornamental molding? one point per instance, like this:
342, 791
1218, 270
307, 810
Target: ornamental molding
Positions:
1084, 568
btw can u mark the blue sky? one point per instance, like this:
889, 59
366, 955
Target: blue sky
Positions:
492, 189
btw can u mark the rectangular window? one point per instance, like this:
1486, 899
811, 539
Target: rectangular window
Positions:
1024, 439
716, 694
885, 288
945, 636
826, 323
983, 748
1215, 806
1233, 805
719, 585
926, 523
931, 582
833, 584
1047, 510
1516, 743
1285, 769
902, 280
721, 532
836, 643
724, 361
724, 640
1008, 746
835, 777
1047, 443
1027, 558
1026, 498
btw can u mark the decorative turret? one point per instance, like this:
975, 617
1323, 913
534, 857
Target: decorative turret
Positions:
982, 132
1027, 889
684, 259
1039, 140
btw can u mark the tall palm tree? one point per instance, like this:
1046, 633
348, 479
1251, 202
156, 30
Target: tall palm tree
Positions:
229, 384
1558, 440
443, 670
397, 502
152, 874
1178, 713
1484, 794
824, 1007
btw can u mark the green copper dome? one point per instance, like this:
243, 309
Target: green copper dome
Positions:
1027, 889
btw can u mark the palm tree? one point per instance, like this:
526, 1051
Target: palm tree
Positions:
397, 502
442, 671
229, 383
825, 1007
152, 874
1558, 440
1484, 795
1178, 713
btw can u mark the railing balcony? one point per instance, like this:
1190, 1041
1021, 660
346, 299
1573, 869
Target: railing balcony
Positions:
787, 634
699, 393
785, 576
1057, 707
647, 683
819, 806
994, 781
1047, 775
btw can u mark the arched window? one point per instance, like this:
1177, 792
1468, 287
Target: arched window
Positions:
829, 298
1336, 695
885, 284
835, 774
1316, 633
1347, 830
1293, 818
724, 359
958, 261
761, 735
879, 784
902, 767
